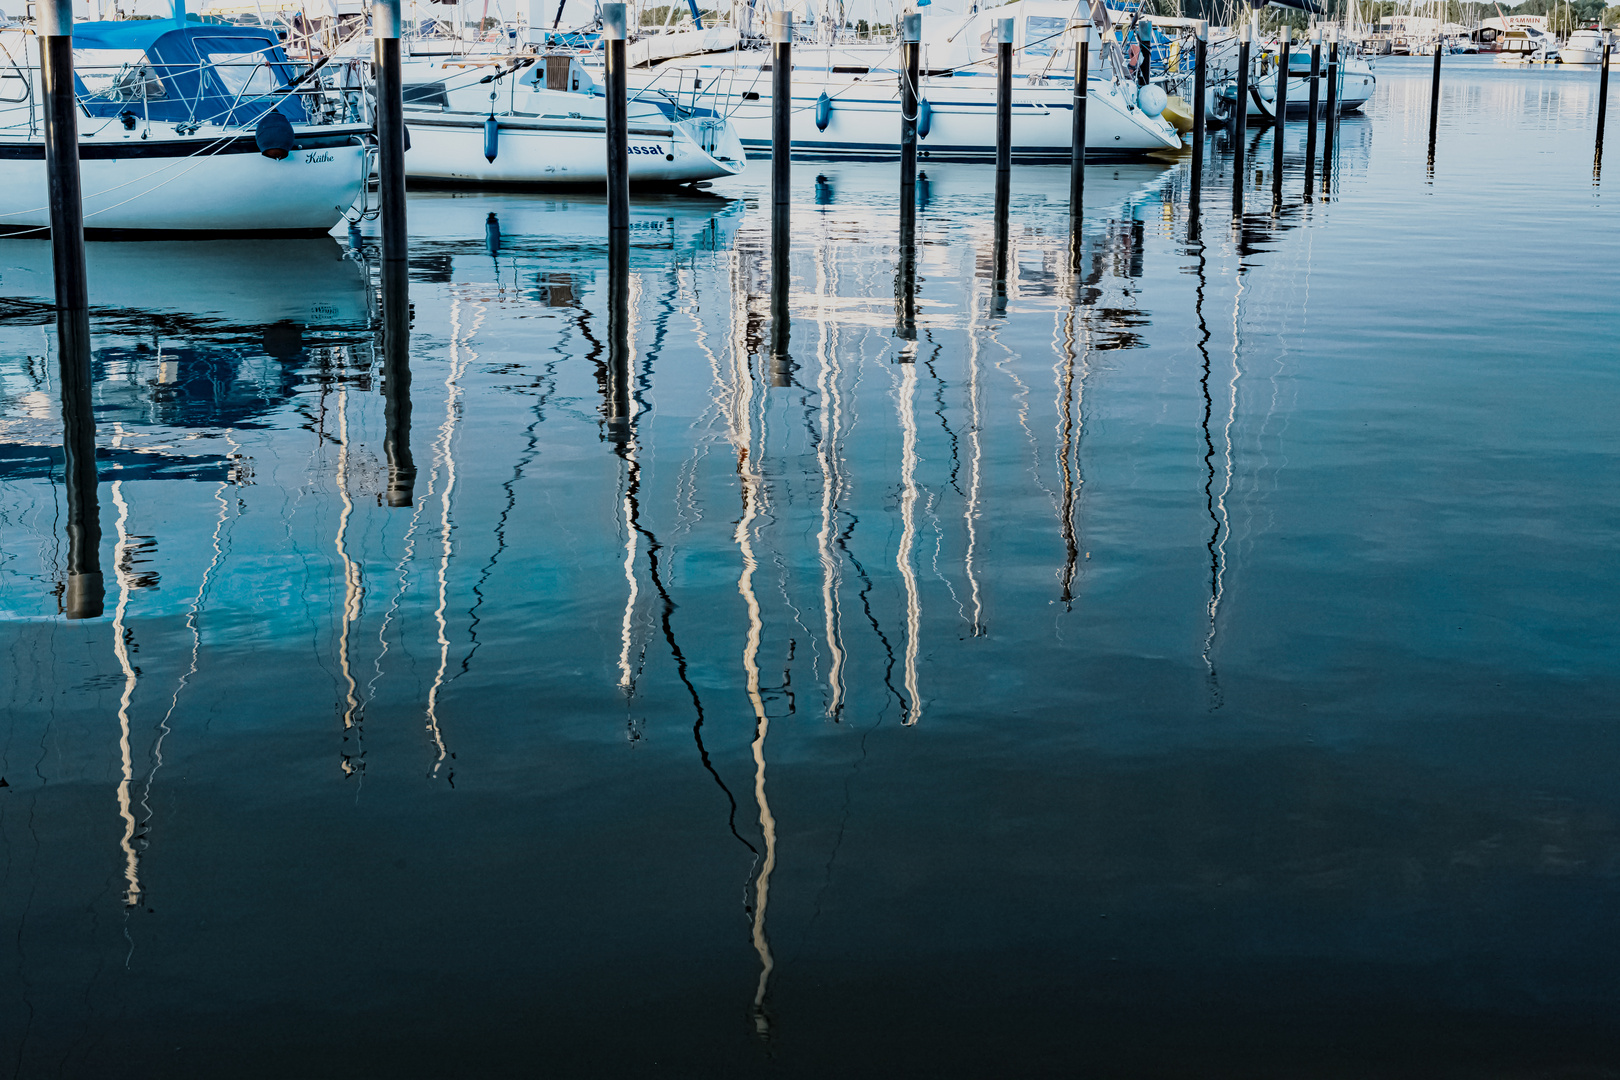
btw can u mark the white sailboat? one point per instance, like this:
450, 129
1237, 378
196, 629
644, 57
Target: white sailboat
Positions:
184, 130
541, 120
846, 94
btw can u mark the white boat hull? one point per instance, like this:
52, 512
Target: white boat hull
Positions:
1580, 55
187, 184
448, 147
864, 121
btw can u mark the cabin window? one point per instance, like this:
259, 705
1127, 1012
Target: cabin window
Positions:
427, 94
247, 74
101, 69
1042, 35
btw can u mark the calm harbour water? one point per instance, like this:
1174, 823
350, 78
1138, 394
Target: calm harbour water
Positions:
1199, 661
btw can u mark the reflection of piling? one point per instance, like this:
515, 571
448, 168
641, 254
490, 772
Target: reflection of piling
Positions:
83, 594
1077, 153
618, 119
781, 280
390, 131
1281, 109
1200, 77
1603, 105
1240, 118
397, 383
1434, 104
998, 290
618, 351
905, 281
781, 104
1310, 112
1004, 65
910, 72
1330, 117
83, 599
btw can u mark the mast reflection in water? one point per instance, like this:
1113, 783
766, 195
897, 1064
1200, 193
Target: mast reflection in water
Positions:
863, 641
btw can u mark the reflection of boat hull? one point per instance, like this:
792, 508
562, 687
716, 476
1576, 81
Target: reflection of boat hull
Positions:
687, 221
240, 282
188, 184
449, 147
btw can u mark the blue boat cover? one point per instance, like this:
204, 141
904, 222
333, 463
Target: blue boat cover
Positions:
207, 73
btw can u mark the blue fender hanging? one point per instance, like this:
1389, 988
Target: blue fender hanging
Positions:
823, 111
274, 134
925, 118
492, 139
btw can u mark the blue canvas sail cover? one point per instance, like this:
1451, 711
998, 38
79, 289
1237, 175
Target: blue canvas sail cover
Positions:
210, 73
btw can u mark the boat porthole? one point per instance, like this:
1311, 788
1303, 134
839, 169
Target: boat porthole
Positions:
669, 157
1116, 138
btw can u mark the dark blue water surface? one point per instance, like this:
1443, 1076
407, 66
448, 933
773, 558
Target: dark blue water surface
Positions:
1178, 659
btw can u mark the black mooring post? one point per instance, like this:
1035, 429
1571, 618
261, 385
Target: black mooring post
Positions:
1434, 104
1200, 72
1330, 116
1240, 118
1077, 151
1004, 71
781, 104
390, 118
1603, 105
1310, 112
910, 72
83, 594
618, 119
1280, 106
781, 317
396, 382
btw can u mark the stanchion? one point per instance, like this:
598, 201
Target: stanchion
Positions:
1311, 110
781, 104
910, 72
1240, 118
1077, 150
1434, 105
390, 133
618, 119
1280, 106
83, 593
1200, 71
